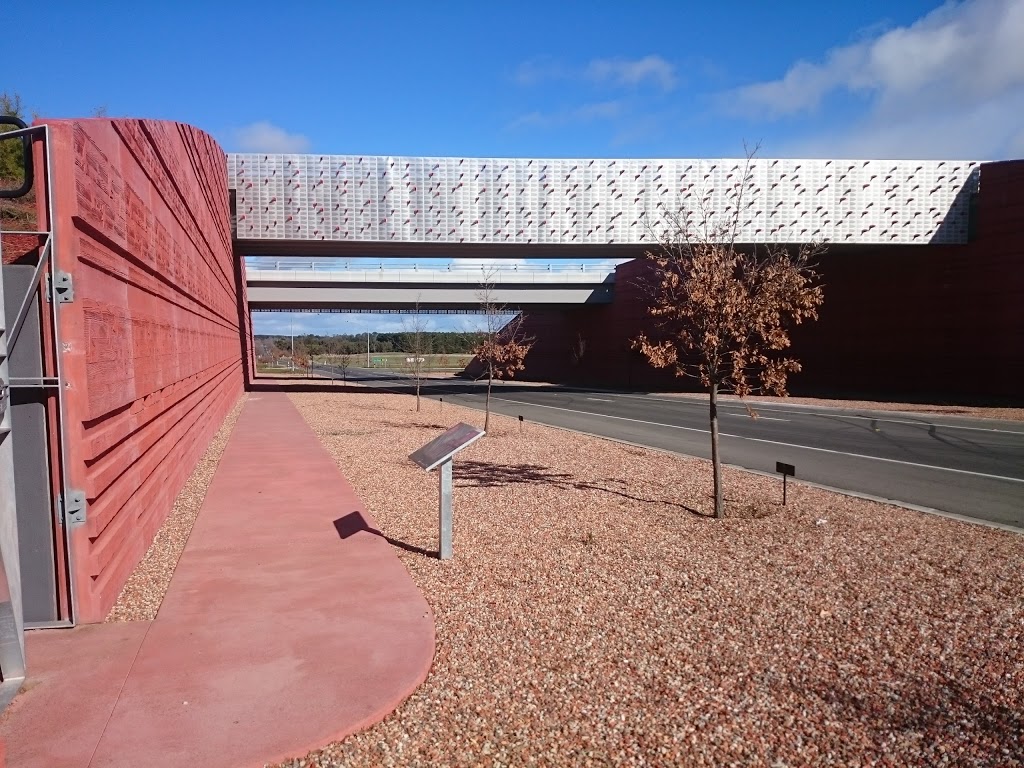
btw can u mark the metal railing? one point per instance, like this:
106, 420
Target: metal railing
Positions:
398, 271
365, 265
43, 286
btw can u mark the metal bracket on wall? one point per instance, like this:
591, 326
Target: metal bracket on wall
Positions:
60, 285
72, 511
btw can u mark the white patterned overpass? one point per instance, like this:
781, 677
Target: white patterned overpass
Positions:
351, 205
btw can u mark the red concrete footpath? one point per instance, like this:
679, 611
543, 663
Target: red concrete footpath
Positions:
287, 625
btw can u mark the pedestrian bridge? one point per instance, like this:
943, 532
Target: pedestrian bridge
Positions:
385, 207
288, 285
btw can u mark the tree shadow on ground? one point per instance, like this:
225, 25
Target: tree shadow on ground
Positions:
482, 474
354, 522
400, 425
625, 495
937, 712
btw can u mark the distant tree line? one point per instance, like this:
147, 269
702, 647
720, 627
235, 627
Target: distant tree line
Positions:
438, 342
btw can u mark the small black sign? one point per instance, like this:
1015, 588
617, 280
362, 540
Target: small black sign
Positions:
785, 469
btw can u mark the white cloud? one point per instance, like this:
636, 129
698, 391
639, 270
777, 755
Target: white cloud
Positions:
617, 72
968, 53
630, 73
984, 132
950, 84
267, 137
539, 69
586, 113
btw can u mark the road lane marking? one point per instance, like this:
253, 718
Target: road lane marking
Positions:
880, 458
770, 407
600, 400
775, 442
757, 417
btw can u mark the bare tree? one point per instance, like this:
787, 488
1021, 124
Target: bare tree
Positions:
416, 344
344, 362
721, 313
502, 345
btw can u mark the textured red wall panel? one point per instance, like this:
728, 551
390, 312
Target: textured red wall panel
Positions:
153, 342
927, 322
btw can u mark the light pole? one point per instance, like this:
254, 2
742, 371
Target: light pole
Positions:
367, 349
292, 329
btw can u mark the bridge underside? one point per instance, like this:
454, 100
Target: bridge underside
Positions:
413, 250
475, 251
407, 297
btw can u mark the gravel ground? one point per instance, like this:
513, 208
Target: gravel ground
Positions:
593, 614
144, 591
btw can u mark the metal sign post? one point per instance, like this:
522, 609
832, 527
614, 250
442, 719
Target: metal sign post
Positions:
438, 453
445, 512
786, 470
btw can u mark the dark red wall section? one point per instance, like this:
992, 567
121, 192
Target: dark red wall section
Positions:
152, 344
937, 323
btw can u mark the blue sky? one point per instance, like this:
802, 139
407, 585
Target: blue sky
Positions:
590, 79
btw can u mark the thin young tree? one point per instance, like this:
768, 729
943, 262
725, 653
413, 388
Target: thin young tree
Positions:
722, 313
344, 362
502, 344
416, 345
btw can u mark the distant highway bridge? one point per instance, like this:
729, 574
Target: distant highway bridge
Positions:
325, 286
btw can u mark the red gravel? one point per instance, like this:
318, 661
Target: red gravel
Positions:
593, 615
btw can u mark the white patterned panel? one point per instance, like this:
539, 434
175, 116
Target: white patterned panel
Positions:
352, 198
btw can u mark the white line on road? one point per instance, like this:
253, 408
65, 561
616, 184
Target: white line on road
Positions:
775, 442
880, 458
600, 399
770, 407
759, 417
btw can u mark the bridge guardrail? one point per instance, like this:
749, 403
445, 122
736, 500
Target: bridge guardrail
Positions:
437, 276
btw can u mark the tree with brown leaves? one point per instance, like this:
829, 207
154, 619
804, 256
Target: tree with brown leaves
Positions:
721, 312
502, 345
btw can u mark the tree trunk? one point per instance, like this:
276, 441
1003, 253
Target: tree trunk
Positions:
417, 393
716, 459
487, 406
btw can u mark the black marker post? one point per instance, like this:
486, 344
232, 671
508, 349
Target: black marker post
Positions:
786, 470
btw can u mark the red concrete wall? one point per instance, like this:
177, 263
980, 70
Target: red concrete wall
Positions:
152, 344
936, 323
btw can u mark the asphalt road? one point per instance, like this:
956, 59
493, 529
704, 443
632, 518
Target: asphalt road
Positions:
969, 467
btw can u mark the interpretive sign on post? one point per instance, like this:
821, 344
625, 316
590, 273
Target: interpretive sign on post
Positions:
439, 453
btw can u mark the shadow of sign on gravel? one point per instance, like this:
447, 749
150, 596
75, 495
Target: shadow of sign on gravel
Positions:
354, 522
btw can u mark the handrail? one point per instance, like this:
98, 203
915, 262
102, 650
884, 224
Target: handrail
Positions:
427, 277
268, 263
